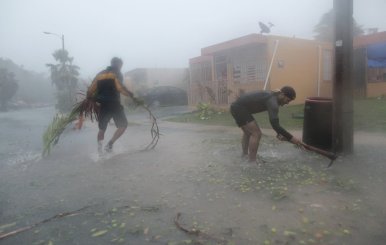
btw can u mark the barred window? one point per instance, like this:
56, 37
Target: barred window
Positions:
251, 73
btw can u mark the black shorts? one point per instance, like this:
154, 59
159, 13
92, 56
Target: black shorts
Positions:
112, 110
241, 115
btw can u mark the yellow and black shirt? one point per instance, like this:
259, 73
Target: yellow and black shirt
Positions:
107, 86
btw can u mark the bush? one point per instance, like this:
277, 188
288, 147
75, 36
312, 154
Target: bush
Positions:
205, 111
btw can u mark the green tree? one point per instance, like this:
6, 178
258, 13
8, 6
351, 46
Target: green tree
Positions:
64, 75
8, 87
325, 28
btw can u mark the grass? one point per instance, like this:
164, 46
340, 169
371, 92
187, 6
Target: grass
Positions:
369, 115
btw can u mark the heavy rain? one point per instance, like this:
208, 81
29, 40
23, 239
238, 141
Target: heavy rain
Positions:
73, 170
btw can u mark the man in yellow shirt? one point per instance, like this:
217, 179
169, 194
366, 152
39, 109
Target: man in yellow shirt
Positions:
106, 89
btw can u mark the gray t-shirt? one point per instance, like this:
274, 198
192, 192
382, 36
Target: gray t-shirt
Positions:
260, 101
256, 102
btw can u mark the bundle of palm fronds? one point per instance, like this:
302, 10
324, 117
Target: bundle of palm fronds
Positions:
89, 108
83, 109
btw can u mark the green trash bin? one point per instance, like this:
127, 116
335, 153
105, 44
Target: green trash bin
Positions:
317, 124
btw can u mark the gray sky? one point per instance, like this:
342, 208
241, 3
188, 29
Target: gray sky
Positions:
152, 33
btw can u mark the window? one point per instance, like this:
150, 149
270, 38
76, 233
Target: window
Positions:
251, 73
237, 72
249, 64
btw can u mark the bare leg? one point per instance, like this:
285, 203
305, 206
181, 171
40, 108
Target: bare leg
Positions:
254, 139
118, 133
245, 142
101, 135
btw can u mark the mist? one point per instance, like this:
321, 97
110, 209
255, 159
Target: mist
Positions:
196, 185
151, 33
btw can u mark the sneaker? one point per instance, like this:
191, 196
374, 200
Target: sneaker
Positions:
109, 147
100, 149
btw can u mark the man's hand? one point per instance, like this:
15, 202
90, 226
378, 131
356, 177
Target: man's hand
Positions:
281, 137
296, 141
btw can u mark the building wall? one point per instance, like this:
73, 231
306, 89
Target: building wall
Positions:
376, 89
373, 89
200, 77
297, 62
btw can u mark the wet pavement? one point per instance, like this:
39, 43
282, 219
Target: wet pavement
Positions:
133, 196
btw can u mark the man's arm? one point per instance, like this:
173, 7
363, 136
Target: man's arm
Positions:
122, 89
279, 129
92, 89
273, 112
283, 134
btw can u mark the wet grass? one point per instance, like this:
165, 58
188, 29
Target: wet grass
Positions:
369, 115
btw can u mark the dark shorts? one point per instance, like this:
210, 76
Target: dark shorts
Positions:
114, 111
241, 115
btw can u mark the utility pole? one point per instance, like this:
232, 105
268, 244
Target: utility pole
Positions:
57, 35
343, 89
63, 42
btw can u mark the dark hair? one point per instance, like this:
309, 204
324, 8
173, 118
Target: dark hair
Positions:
116, 62
289, 92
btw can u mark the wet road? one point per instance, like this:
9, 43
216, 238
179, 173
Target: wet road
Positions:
194, 170
21, 131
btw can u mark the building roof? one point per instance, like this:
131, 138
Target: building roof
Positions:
200, 59
366, 40
241, 41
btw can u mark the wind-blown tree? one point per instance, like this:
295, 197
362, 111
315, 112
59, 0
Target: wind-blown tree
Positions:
8, 87
64, 76
325, 28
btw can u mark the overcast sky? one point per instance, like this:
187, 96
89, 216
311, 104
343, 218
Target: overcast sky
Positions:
152, 33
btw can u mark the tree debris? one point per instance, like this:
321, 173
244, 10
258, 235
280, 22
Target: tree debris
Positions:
29, 227
197, 232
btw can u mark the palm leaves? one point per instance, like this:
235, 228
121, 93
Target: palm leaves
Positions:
64, 76
54, 130
325, 28
88, 108
85, 108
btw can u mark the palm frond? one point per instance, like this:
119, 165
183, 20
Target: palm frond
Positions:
54, 130
154, 130
85, 108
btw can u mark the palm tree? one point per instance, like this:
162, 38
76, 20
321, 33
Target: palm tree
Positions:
64, 75
8, 87
325, 28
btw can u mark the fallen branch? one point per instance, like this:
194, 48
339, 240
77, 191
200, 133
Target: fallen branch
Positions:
197, 232
29, 227
88, 108
330, 155
83, 109
154, 130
